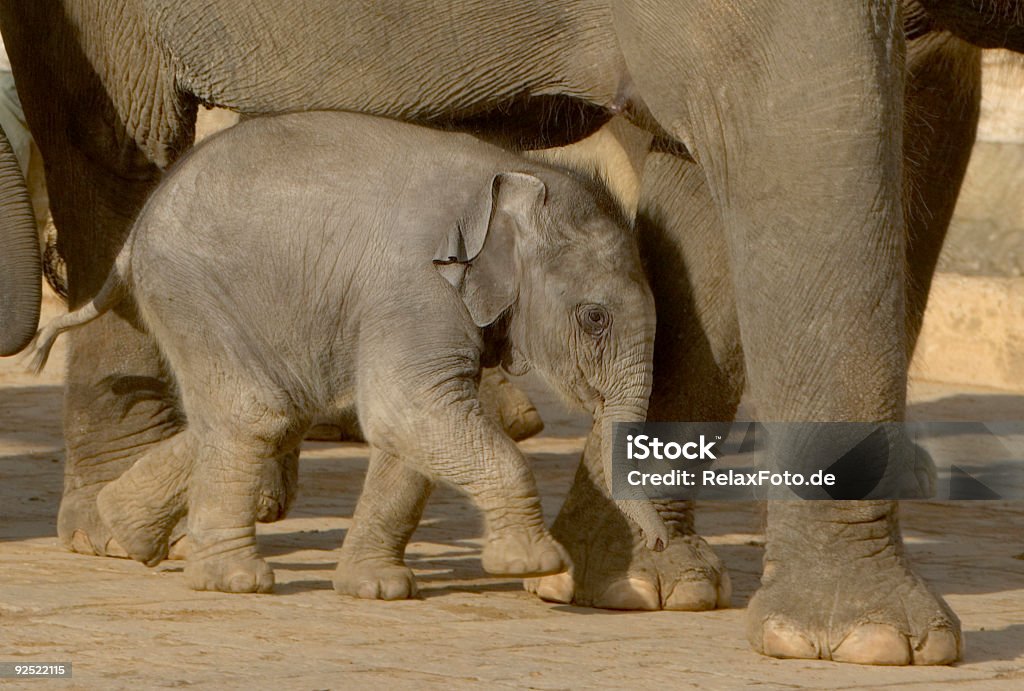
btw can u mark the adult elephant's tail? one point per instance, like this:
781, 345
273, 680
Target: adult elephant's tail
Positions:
20, 267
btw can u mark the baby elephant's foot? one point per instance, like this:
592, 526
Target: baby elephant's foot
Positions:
142, 533
278, 483
521, 552
230, 574
508, 405
377, 579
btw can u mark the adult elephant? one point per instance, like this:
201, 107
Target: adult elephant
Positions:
779, 125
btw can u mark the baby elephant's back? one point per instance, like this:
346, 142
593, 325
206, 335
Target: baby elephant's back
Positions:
287, 222
285, 194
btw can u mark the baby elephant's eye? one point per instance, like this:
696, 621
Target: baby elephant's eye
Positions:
594, 319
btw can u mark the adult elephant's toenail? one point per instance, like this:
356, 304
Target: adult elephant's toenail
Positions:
113, 548
368, 590
874, 644
81, 543
692, 596
939, 647
779, 639
630, 593
180, 548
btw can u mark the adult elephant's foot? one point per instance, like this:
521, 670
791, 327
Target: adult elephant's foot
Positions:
837, 586
82, 530
613, 568
234, 573
140, 513
509, 405
868, 612
96, 462
687, 576
376, 578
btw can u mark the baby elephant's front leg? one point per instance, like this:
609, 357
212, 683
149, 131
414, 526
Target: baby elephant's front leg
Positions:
481, 460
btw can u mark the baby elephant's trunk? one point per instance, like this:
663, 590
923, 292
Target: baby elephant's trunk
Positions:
632, 501
112, 292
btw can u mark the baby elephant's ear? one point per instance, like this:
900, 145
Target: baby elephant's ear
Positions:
477, 256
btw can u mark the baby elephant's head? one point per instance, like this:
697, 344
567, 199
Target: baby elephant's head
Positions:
549, 259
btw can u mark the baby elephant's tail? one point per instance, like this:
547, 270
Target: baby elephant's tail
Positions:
112, 292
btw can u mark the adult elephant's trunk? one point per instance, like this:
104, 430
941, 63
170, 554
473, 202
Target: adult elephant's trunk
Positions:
20, 272
629, 405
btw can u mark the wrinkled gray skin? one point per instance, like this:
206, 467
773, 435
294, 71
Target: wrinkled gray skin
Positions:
296, 264
772, 205
20, 268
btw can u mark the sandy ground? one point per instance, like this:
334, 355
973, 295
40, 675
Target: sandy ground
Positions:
123, 625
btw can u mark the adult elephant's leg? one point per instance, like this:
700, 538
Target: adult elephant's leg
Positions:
108, 117
100, 167
942, 102
911, 624
802, 152
119, 399
698, 375
371, 564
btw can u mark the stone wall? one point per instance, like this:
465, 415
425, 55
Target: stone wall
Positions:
974, 327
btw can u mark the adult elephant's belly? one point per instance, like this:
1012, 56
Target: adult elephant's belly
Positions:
533, 122
445, 62
994, 24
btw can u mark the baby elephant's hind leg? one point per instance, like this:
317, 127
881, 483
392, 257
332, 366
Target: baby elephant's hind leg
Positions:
371, 563
142, 507
508, 405
224, 503
145, 508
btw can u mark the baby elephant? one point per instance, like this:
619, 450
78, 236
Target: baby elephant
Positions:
294, 265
